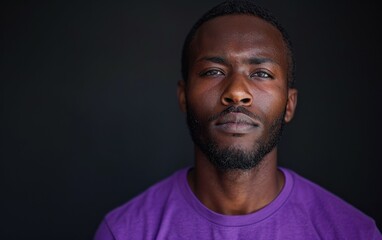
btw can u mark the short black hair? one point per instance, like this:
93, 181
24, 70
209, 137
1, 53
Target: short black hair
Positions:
232, 7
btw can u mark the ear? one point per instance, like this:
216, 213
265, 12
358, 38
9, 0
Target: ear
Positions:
181, 91
291, 104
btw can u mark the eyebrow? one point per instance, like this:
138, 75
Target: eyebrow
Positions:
251, 61
260, 60
219, 60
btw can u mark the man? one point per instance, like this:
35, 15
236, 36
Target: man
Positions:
238, 93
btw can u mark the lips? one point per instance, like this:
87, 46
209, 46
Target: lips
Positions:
236, 123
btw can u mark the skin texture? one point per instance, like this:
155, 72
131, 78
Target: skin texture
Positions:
237, 60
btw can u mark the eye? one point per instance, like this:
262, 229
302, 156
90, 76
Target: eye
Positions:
261, 74
211, 73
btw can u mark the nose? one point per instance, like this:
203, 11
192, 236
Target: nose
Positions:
237, 93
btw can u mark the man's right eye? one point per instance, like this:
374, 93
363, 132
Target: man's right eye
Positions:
213, 72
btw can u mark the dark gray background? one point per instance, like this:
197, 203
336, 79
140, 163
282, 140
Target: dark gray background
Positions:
89, 115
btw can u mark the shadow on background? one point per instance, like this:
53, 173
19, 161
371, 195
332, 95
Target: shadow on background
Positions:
89, 116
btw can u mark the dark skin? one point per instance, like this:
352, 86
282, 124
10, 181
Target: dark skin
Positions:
237, 60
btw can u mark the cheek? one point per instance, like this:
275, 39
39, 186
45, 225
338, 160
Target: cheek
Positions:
203, 100
270, 104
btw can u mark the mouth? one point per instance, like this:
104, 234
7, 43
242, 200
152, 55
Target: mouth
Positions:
236, 123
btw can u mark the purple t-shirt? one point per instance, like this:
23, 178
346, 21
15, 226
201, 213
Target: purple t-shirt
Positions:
303, 210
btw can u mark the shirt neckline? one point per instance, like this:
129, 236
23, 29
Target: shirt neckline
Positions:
235, 220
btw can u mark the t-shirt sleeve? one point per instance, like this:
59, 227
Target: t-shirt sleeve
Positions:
377, 234
103, 232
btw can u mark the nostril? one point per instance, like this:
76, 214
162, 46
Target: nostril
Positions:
228, 100
245, 100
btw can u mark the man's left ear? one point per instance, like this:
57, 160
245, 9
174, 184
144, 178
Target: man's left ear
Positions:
291, 104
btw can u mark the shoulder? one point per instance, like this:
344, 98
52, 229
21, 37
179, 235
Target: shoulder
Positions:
149, 199
328, 211
312, 195
144, 209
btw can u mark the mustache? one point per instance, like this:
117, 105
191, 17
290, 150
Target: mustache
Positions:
235, 109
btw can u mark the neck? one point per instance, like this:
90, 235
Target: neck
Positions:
238, 191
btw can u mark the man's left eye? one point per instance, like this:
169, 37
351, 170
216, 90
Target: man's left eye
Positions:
261, 74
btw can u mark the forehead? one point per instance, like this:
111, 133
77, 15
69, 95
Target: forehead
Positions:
239, 34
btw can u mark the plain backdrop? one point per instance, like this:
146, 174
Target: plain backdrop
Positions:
89, 115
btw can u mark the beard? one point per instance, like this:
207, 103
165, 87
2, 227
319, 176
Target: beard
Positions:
234, 158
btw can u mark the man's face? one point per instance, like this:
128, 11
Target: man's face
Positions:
236, 97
